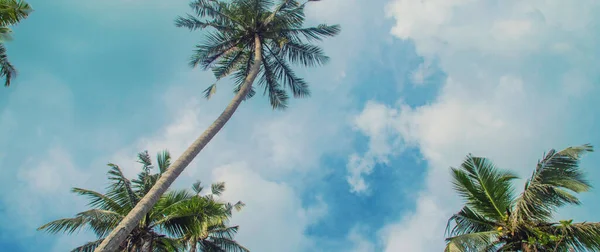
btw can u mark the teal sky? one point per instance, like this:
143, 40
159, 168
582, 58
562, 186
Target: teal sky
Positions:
413, 86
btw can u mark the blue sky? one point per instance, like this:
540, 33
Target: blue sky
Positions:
412, 87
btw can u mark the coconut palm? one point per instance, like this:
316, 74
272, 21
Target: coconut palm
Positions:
494, 219
214, 234
244, 39
177, 213
11, 13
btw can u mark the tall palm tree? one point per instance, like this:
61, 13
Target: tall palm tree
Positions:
11, 13
244, 39
493, 219
176, 215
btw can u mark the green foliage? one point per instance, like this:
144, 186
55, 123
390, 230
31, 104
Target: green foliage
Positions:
495, 220
179, 219
11, 13
229, 46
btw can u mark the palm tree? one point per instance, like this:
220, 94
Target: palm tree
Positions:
214, 234
245, 39
176, 215
11, 13
493, 219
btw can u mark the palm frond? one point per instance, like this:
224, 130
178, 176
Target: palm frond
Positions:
470, 242
168, 244
168, 213
7, 70
215, 47
217, 188
229, 64
578, 236
303, 54
164, 161
98, 200
193, 23
210, 91
283, 71
99, 221
121, 189
468, 221
145, 160
13, 11
277, 96
88, 247
228, 245
241, 74
551, 185
216, 10
487, 190
313, 33
220, 231
197, 187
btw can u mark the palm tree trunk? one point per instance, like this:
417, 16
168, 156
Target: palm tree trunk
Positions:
194, 244
112, 241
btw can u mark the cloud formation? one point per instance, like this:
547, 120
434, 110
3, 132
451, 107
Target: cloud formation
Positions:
518, 84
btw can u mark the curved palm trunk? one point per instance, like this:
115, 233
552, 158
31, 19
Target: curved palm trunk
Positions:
112, 241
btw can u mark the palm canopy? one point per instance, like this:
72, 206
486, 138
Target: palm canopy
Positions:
234, 28
214, 234
495, 219
11, 13
177, 215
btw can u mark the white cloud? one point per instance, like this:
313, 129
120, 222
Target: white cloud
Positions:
376, 122
43, 180
507, 96
423, 72
274, 218
358, 240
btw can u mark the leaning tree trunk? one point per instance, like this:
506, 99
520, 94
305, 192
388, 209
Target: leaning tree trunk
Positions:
112, 241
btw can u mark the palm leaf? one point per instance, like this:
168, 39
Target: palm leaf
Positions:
7, 70
313, 33
277, 95
13, 11
217, 188
470, 242
304, 54
121, 189
99, 221
88, 247
98, 200
197, 187
145, 160
283, 71
468, 221
487, 190
164, 161
577, 236
550, 186
227, 245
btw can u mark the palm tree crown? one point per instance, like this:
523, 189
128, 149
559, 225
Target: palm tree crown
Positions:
230, 46
178, 216
494, 219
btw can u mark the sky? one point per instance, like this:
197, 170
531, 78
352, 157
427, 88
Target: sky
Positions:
413, 86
